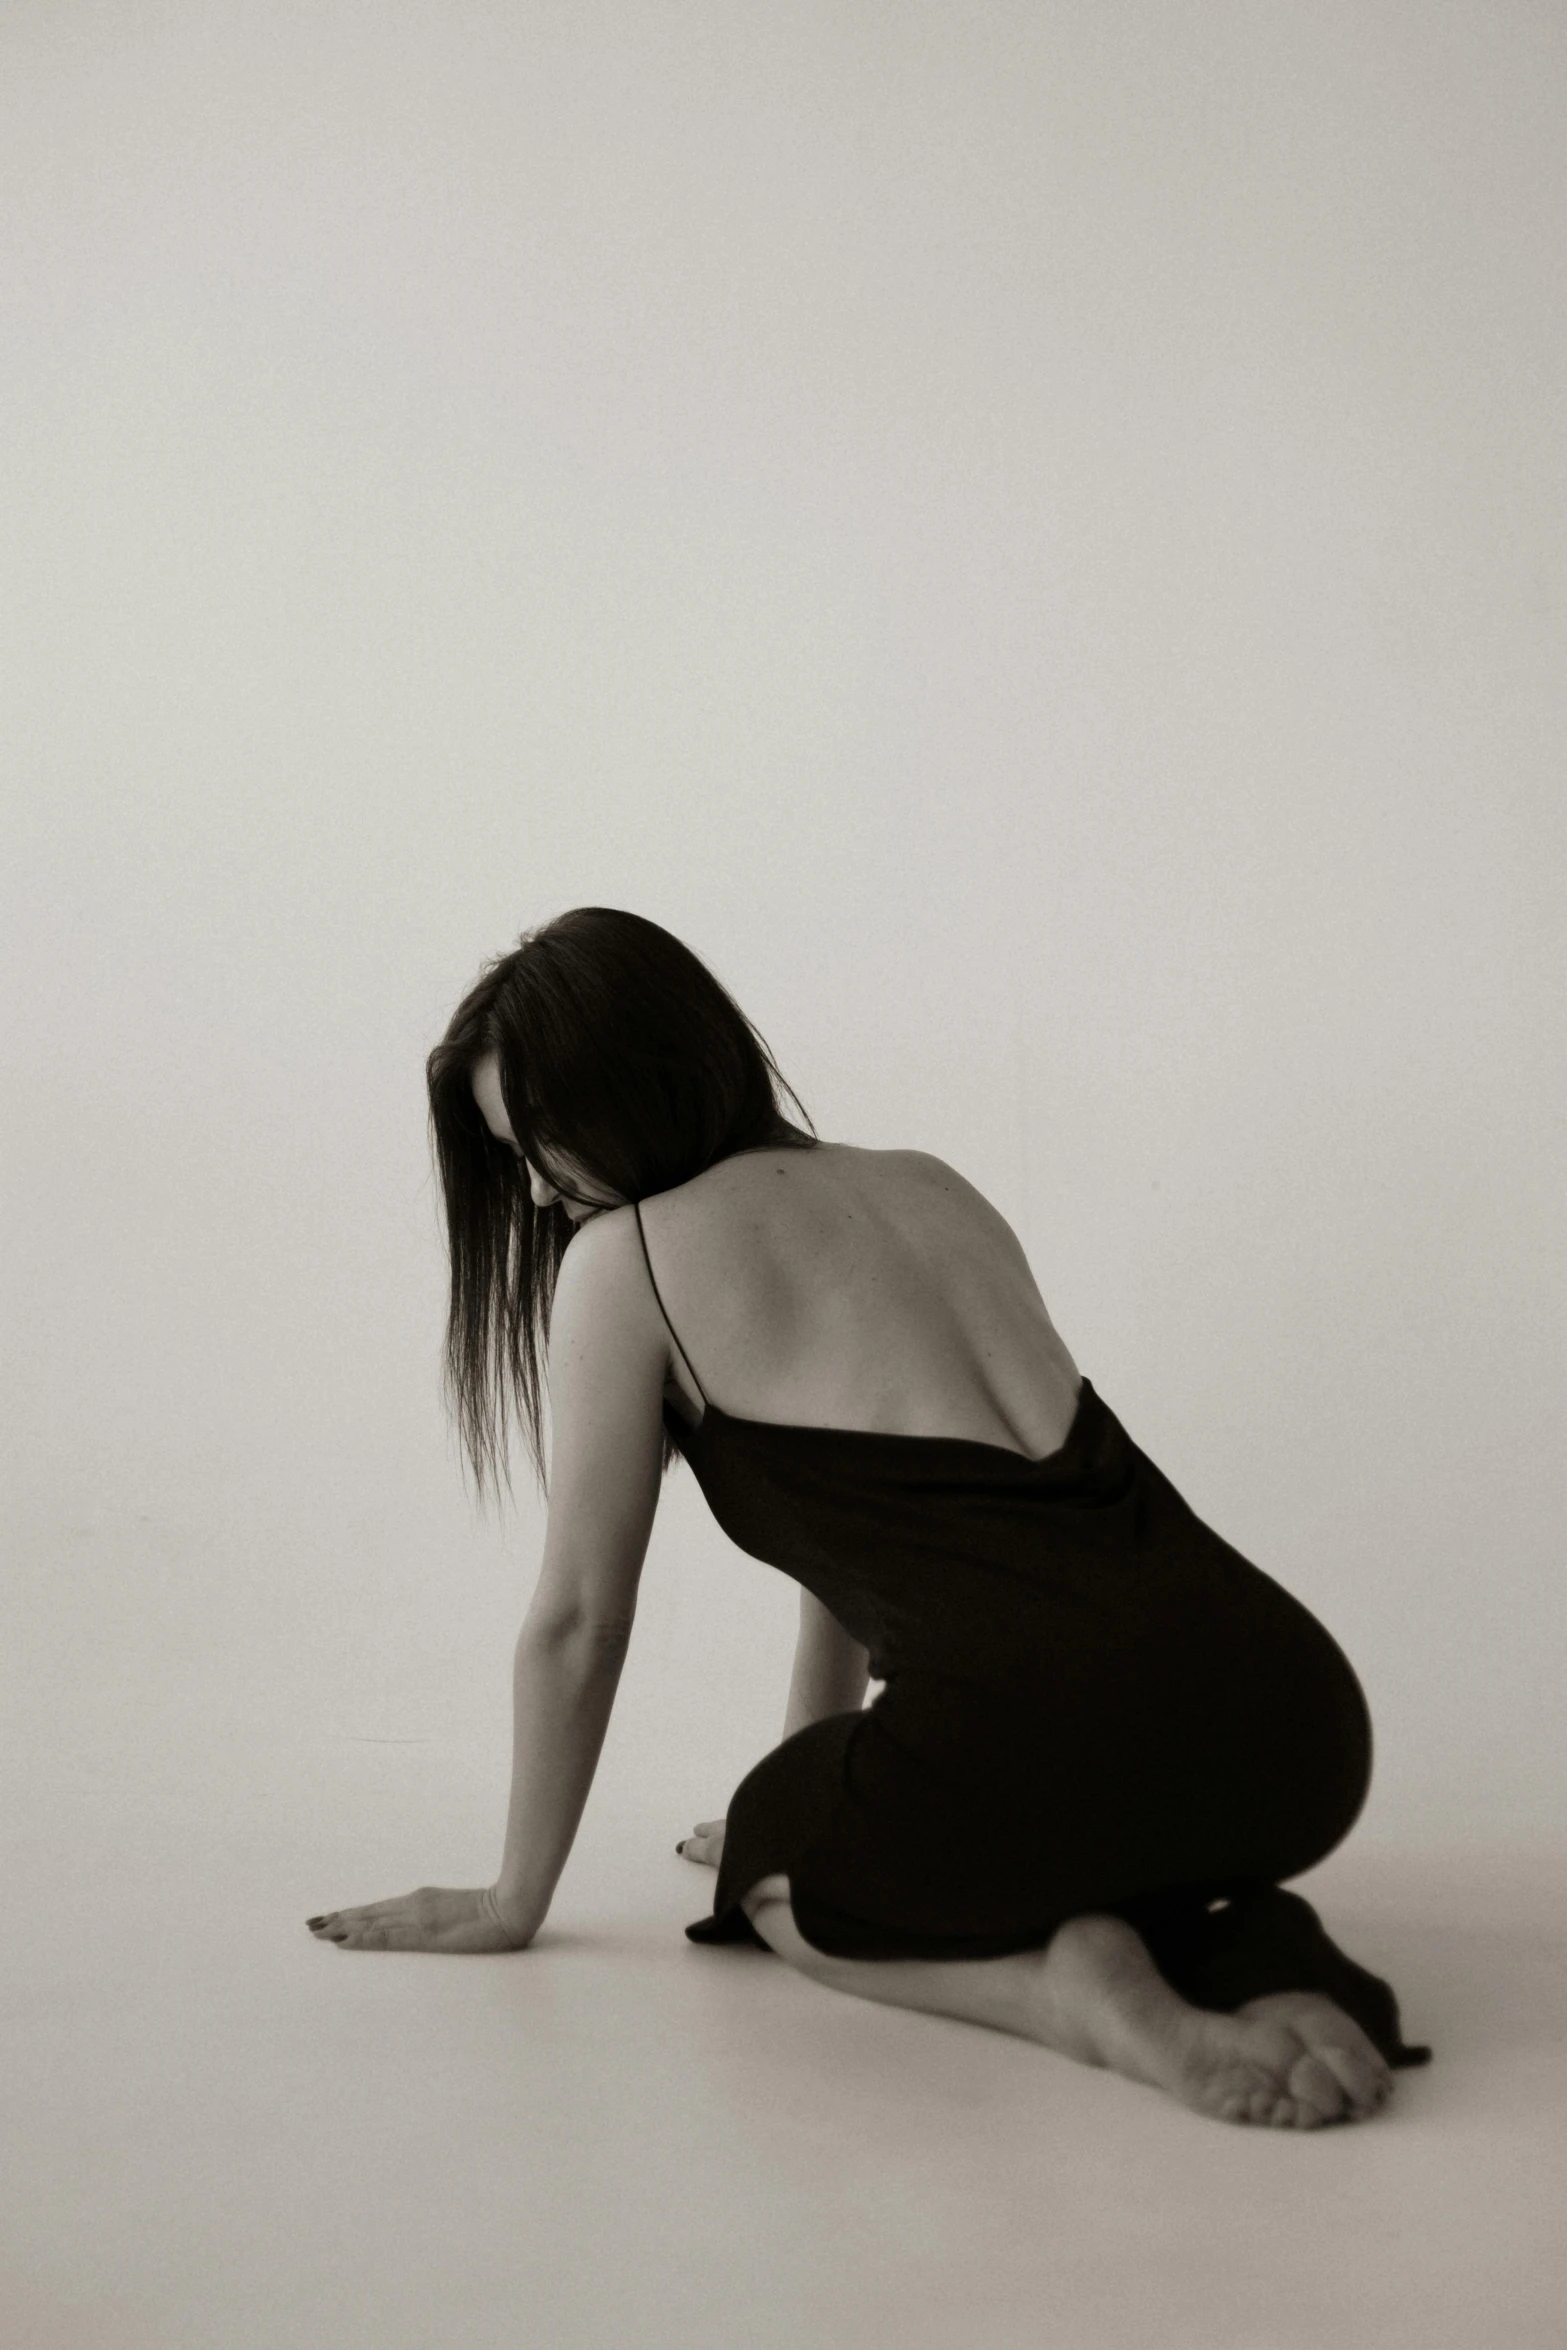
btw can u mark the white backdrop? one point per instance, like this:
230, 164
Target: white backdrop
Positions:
1032, 537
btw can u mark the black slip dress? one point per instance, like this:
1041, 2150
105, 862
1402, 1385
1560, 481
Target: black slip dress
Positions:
1089, 1702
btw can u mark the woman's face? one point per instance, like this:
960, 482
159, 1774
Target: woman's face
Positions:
486, 1083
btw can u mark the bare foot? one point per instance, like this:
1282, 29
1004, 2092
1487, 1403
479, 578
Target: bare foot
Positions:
1292, 2060
1336, 2040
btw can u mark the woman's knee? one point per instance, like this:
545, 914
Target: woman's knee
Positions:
774, 1888
770, 1911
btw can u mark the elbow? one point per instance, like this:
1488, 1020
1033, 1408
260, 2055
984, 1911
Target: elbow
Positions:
574, 1635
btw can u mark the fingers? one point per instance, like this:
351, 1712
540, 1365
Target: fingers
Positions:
362, 1915
355, 1929
705, 1844
398, 1924
449, 1918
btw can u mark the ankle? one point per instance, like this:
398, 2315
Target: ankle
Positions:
1111, 2004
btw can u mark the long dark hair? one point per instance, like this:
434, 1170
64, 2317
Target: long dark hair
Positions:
618, 1049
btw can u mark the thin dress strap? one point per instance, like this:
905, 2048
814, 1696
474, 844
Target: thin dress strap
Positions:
668, 1325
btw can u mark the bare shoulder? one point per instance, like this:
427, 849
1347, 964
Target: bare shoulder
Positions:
831, 1188
947, 1183
831, 1165
925, 1165
601, 1291
598, 1244
846, 1287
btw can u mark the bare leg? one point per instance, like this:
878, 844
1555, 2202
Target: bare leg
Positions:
1293, 2060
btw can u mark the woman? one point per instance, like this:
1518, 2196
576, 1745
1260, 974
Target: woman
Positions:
1103, 1738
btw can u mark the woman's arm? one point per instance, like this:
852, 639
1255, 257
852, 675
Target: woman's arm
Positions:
831, 1671
564, 1680
607, 1360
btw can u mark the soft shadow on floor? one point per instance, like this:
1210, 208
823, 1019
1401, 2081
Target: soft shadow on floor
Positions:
222, 2132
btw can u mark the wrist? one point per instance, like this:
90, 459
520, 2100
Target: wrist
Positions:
518, 1916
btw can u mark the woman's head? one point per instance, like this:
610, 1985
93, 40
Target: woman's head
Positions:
566, 1182
599, 1062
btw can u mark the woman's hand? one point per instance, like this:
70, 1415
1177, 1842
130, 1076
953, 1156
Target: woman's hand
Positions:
437, 1917
704, 1844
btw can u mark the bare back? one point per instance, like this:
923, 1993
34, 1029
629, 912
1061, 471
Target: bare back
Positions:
858, 1289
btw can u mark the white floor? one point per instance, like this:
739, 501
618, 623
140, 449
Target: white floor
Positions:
221, 2133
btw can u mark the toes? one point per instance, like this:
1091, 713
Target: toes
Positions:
1253, 2099
1274, 2068
1273, 2109
1258, 2108
1365, 2080
1312, 2084
1263, 2103
1280, 2112
1337, 2042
